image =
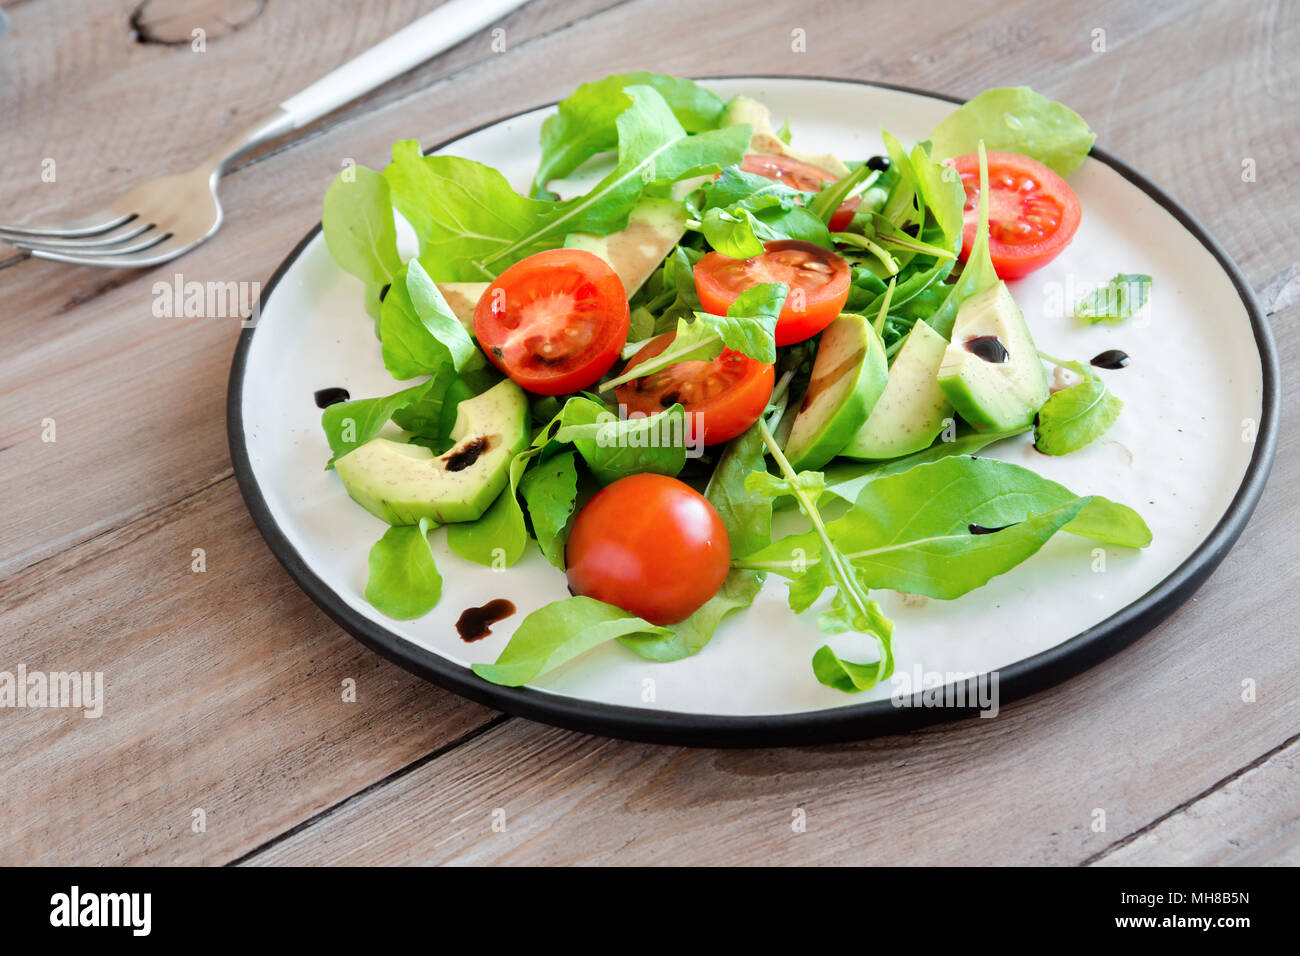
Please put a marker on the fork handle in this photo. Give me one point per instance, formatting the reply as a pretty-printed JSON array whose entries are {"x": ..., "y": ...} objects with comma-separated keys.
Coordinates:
[{"x": 412, "y": 45}]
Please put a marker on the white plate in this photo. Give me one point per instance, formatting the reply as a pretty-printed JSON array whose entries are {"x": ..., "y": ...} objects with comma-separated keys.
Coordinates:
[{"x": 1190, "y": 452}]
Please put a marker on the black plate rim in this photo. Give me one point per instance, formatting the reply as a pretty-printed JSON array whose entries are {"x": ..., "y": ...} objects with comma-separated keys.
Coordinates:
[{"x": 850, "y": 722}]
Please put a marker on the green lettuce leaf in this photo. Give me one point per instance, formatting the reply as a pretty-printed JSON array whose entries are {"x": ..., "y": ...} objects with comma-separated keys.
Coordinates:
[
  {"x": 420, "y": 335},
  {"x": 404, "y": 582},
  {"x": 1115, "y": 302},
  {"x": 1015, "y": 119},
  {"x": 1076, "y": 416},
  {"x": 557, "y": 633},
  {"x": 585, "y": 123},
  {"x": 945, "y": 528},
  {"x": 550, "y": 491},
  {"x": 357, "y": 220}
]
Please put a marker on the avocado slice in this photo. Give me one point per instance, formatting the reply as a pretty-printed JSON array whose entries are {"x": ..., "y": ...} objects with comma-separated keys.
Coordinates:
[
  {"x": 653, "y": 227},
  {"x": 911, "y": 411},
  {"x": 402, "y": 483},
  {"x": 763, "y": 140},
  {"x": 462, "y": 297},
  {"x": 848, "y": 377},
  {"x": 991, "y": 371}
]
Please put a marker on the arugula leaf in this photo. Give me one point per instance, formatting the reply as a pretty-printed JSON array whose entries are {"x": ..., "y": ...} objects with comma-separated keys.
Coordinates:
[
  {"x": 550, "y": 491},
  {"x": 1016, "y": 119},
  {"x": 845, "y": 479},
  {"x": 653, "y": 148},
  {"x": 746, "y": 514},
  {"x": 614, "y": 448},
  {"x": 832, "y": 195},
  {"x": 558, "y": 632},
  {"x": 851, "y": 609},
  {"x": 585, "y": 123},
  {"x": 978, "y": 273},
  {"x": 742, "y": 211},
  {"x": 914, "y": 532},
  {"x": 1075, "y": 416},
  {"x": 1115, "y": 302},
  {"x": 420, "y": 335},
  {"x": 472, "y": 225},
  {"x": 843, "y": 675},
  {"x": 357, "y": 220},
  {"x": 942, "y": 192},
  {"x": 749, "y": 327},
  {"x": 669, "y": 294},
  {"x": 690, "y": 636},
  {"x": 404, "y": 582},
  {"x": 349, "y": 425}
]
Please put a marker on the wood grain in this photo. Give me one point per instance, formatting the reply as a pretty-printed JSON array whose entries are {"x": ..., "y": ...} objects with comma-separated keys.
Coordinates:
[
  {"x": 1251, "y": 820},
  {"x": 223, "y": 692},
  {"x": 223, "y": 686}
]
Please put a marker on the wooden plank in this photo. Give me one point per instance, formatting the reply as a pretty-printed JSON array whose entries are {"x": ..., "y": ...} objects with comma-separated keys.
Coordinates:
[
  {"x": 1251, "y": 820},
  {"x": 223, "y": 692},
  {"x": 69, "y": 65}
]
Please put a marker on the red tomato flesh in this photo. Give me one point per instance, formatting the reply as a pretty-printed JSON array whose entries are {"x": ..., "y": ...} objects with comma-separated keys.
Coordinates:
[
  {"x": 554, "y": 322},
  {"x": 651, "y": 545},
  {"x": 1033, "y": 213},
  {"x": 721, "y": 398},
  {"x": 818, "y": 281},
  {"x": 804, "y": 177}
]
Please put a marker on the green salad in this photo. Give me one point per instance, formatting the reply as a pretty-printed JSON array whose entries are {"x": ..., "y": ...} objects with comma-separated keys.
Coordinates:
[{"x": 685, "y": 324}]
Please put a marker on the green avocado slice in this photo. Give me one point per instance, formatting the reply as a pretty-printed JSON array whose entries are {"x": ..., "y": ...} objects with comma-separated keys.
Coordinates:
[
  {"x": 848, "y": 377},
  {"x": 402, "y": 483},
  {"x": 991, "y": 371},
  {"x": 912, "y": 410},
  {"x": 765, "y": 142}
]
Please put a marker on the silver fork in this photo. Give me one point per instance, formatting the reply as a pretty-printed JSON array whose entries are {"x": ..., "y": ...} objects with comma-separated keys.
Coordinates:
[{"x": 166, "y": 217}]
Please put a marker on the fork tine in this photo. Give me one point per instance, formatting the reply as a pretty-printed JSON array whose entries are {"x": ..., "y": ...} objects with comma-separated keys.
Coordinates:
[
  {"x": 107, "y": 241},
  {"x": 155, "y": 255},
  {"x": 92, "y": 225},
  {"x": 143, "y": 239}
]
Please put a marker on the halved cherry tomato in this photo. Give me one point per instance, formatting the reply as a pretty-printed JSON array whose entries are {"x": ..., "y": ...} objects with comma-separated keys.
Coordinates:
[
  {"x": 651, "y": 545},
  {"x": 1033, "y": 213},
  {"x": 554, "y": 322},
  {"x": 818, "y": 281},
  {"x": 722, "y": 398},
  {"x": 802, "y": 176}
]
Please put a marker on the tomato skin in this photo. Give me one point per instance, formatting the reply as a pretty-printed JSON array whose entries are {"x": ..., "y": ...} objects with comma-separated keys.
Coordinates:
[
  {"x": 651, "y": 545},
  {"x": 802, "y": 176},
  {"x": 1033, "y": 212},
  {"x": 554, "y": 322},
  {"x": 715, "y": 415},
  {"x": 818, "y": 281}
]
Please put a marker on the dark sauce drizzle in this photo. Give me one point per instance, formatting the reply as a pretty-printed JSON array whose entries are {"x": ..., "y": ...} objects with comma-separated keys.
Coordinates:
[
  {"x": 326, "y": 397},
  {"x": 980, "y": 529},
  {"x": 467, "y": 455},
  {"x": 1111, "y": 358},
  {"x": 475, "y": 623},
  {"x": 987, "y": 347}
]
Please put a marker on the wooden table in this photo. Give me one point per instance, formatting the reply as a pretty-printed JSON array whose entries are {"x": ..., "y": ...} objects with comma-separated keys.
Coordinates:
[{"x": 225, "y": 735}]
